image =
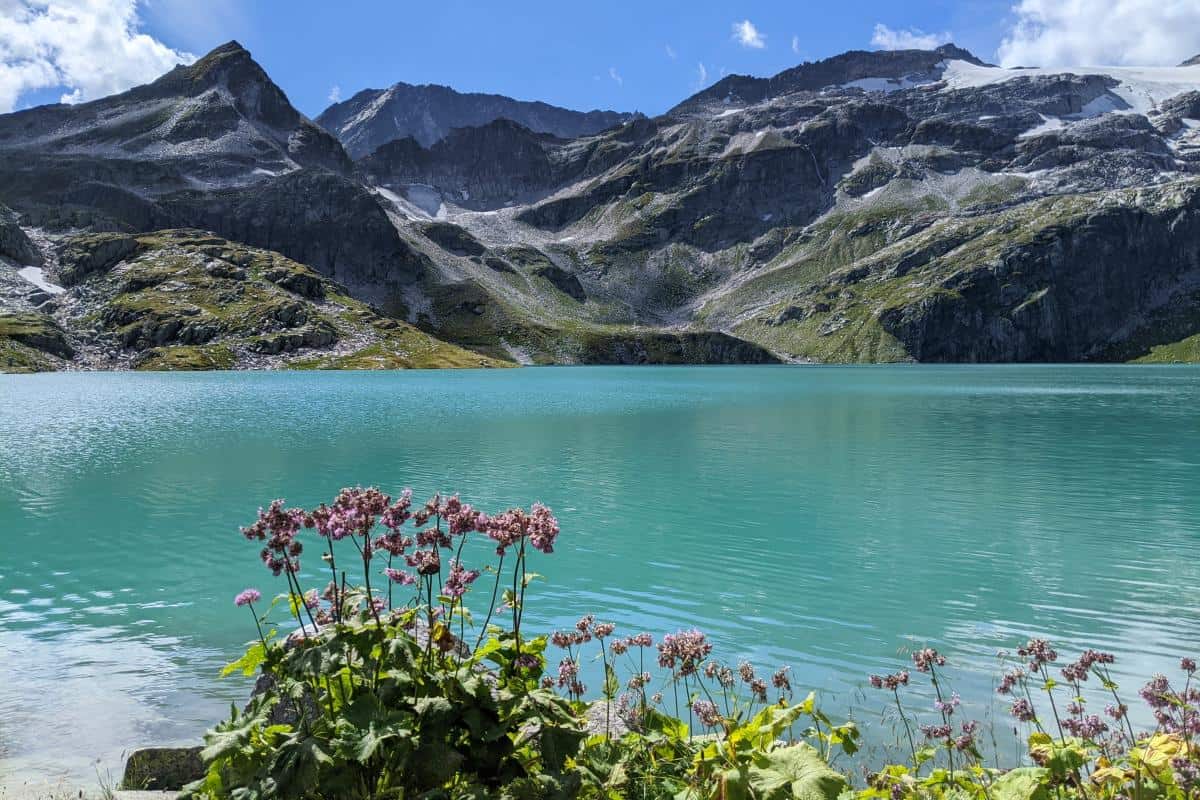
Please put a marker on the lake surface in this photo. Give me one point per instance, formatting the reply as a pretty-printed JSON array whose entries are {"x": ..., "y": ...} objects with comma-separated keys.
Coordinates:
[{"x": 826, "y": 518}]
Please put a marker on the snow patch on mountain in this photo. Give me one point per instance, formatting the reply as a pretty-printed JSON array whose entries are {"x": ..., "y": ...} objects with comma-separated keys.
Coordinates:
[
  {"x": 887, "y": 85},
  {"x": 1141, "y": 88},
  {"x": 1049, "y": 125},
  {"x": 37, "y": 276}
]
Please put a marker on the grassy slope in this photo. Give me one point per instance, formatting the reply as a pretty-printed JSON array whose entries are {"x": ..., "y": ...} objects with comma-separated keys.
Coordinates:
[{"x": 841, "y": 273}]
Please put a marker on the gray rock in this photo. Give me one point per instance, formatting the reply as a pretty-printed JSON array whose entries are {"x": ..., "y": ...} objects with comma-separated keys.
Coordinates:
[
  {"x": 162, "y": 768},
  {"x": 14, "y": 243}
]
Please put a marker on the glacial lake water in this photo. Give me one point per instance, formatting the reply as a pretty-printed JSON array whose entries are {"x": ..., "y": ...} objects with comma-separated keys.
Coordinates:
[{"x": 827, "y": 518}]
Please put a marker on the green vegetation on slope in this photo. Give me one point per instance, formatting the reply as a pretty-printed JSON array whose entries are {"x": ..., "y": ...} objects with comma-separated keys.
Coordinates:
[{"x": 190, "y": 300}]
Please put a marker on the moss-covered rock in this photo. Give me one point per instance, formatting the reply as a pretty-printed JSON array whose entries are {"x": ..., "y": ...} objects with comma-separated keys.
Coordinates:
[
  {"x": 94, "y": 252},
  {"x": 36, "y": 331},
  {"x": 162, "y": 768},
  {"x": 186, "y": 359}
]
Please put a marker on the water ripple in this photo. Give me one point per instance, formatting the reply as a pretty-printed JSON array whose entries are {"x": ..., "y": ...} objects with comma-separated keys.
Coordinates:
[{"x": 830, "y": 518}]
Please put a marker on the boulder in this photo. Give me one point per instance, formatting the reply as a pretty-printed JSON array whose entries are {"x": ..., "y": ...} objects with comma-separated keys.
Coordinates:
[
  {"x": 92, "y": 253},
  {"x": 14, "y": 244},
  {"x": 162, "y": 768}
]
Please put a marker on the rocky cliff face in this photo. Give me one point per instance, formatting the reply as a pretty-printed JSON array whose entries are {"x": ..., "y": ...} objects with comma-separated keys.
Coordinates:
[
  {"x": 215, "y": 145},
  {"x": 427, "y": 114},
  {"x": 870, "y": 207},
  {"x": 497, "y": 164}
]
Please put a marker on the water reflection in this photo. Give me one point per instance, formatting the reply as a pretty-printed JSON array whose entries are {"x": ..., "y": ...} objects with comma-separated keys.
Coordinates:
[{"x": 826, "y": 518}]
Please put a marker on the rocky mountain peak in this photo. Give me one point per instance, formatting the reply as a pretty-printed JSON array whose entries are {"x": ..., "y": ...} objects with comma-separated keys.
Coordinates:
[
  {"x": 231, "y": 68},
  {"x": 953, "y": 52},
  {"x": 839, "y": 70},
  {"x": 1194, "y": 61},
  {"x": 428, "y": 113}
]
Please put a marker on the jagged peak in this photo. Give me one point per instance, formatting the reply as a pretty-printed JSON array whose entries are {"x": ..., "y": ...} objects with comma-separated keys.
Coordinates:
[
  {"x": 228, "y": 59},
  {"x": 955, "y": 53},
  {"x": 233, "y": 46},
  {"x": 1194, "y": 61}
]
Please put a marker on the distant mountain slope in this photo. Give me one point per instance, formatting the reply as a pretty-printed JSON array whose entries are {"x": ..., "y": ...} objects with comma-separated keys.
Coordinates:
[
  {"x": 855, "y": 65},
  {"x": 214, "y": 145},
  {"x": 874, "y": 206},
  {"x": 428, "y": 113},
  {"x": 219, "y": 121}
]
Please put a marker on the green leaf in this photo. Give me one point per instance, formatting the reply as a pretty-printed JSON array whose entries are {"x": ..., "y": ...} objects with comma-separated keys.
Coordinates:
[
  {"x": 612, "y": 684},
  {"x": 925, "y": 754},
  {"x": 297, "y": 764},
  {"x": 795, "y": 771},
  {"x": 847, "y": 736},
  {"x": 1023, "y": 783},
  {"x": 249, "y": 663}
]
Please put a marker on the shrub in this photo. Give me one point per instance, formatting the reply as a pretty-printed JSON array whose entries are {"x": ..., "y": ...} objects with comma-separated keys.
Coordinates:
[{"x": 395, "y": 693}]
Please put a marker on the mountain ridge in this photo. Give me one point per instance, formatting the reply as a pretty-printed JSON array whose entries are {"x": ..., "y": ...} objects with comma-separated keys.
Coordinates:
[
  {"x": 874, "y": 206},
  {"x": 428, "y": 112}
]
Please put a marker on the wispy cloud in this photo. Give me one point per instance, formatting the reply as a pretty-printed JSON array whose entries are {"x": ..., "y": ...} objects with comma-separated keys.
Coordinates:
[
  {"x": 701, "y": 75},
  {"x": 1050, "y": 33},
  {"x": 335, "y": 94},
  {"x": 616, "y": 76},
  {"x": 886, "y": 38},
  {"x": 90, "y": 48},
  {"x": 796, "y": 45},
  {"x": 745, "y": 34},
  {"x": 671, "y": 54}
]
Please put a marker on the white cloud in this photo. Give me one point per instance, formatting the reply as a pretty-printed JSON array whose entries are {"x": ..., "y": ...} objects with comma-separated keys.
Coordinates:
[
  {"x": 671, "y": 54},
  {"x": 616, "y": 76},
  {"x": 796, "y": 45},
  {"x": 335, "y": 94},
  {"x": 1049, "y": 33},
  {"x": 886, "y": 38},
  {"x": 91, "y": 48},
  {"x": 701, "y": 75},
  {"x": 745, "y": 34}
]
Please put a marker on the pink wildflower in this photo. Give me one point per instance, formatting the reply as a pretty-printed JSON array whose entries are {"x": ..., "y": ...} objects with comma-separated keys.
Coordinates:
[{"x": 247, "y": 596}]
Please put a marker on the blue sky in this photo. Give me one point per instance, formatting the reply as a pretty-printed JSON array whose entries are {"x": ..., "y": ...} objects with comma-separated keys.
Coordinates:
[
  {"x": 579, "y": 55},
  {"x": 643, "y": 56}
]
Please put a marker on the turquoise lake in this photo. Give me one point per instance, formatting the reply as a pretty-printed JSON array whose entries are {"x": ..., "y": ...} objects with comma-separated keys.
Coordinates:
[{"x": 827, "y": 518}]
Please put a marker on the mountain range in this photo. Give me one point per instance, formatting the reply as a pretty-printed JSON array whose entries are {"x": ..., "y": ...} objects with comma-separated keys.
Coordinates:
[{"x": 874, "y": 206}]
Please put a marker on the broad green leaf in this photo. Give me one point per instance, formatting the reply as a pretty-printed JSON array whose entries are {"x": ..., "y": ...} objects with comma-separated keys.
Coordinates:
[
  {"x": 249, "y": 663},
  {"x": 795, "y": 771},
  {"x": 1024, "y": 783}
]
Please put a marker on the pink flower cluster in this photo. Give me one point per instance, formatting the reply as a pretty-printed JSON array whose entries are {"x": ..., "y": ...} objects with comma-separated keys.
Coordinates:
[
  {"x": 1078, "y": 671},
  {"x": 277, "y": 527},
  {"x": 459, "y": 580},
  {"x": 892, "y": 682},
  {"x": 355, "y": 513},
  {"x": 1039, "y": 652},
  {"x": 927, "y": 658},
  {"x": 247, "y": 596},
  {"x": 509, "y": 528},
  {"x": 1010, "y": 680},
  {"x": 685, "y": 650},
  {"x": 706, "y": 711},
  {"x": 621, "y": 646}
]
